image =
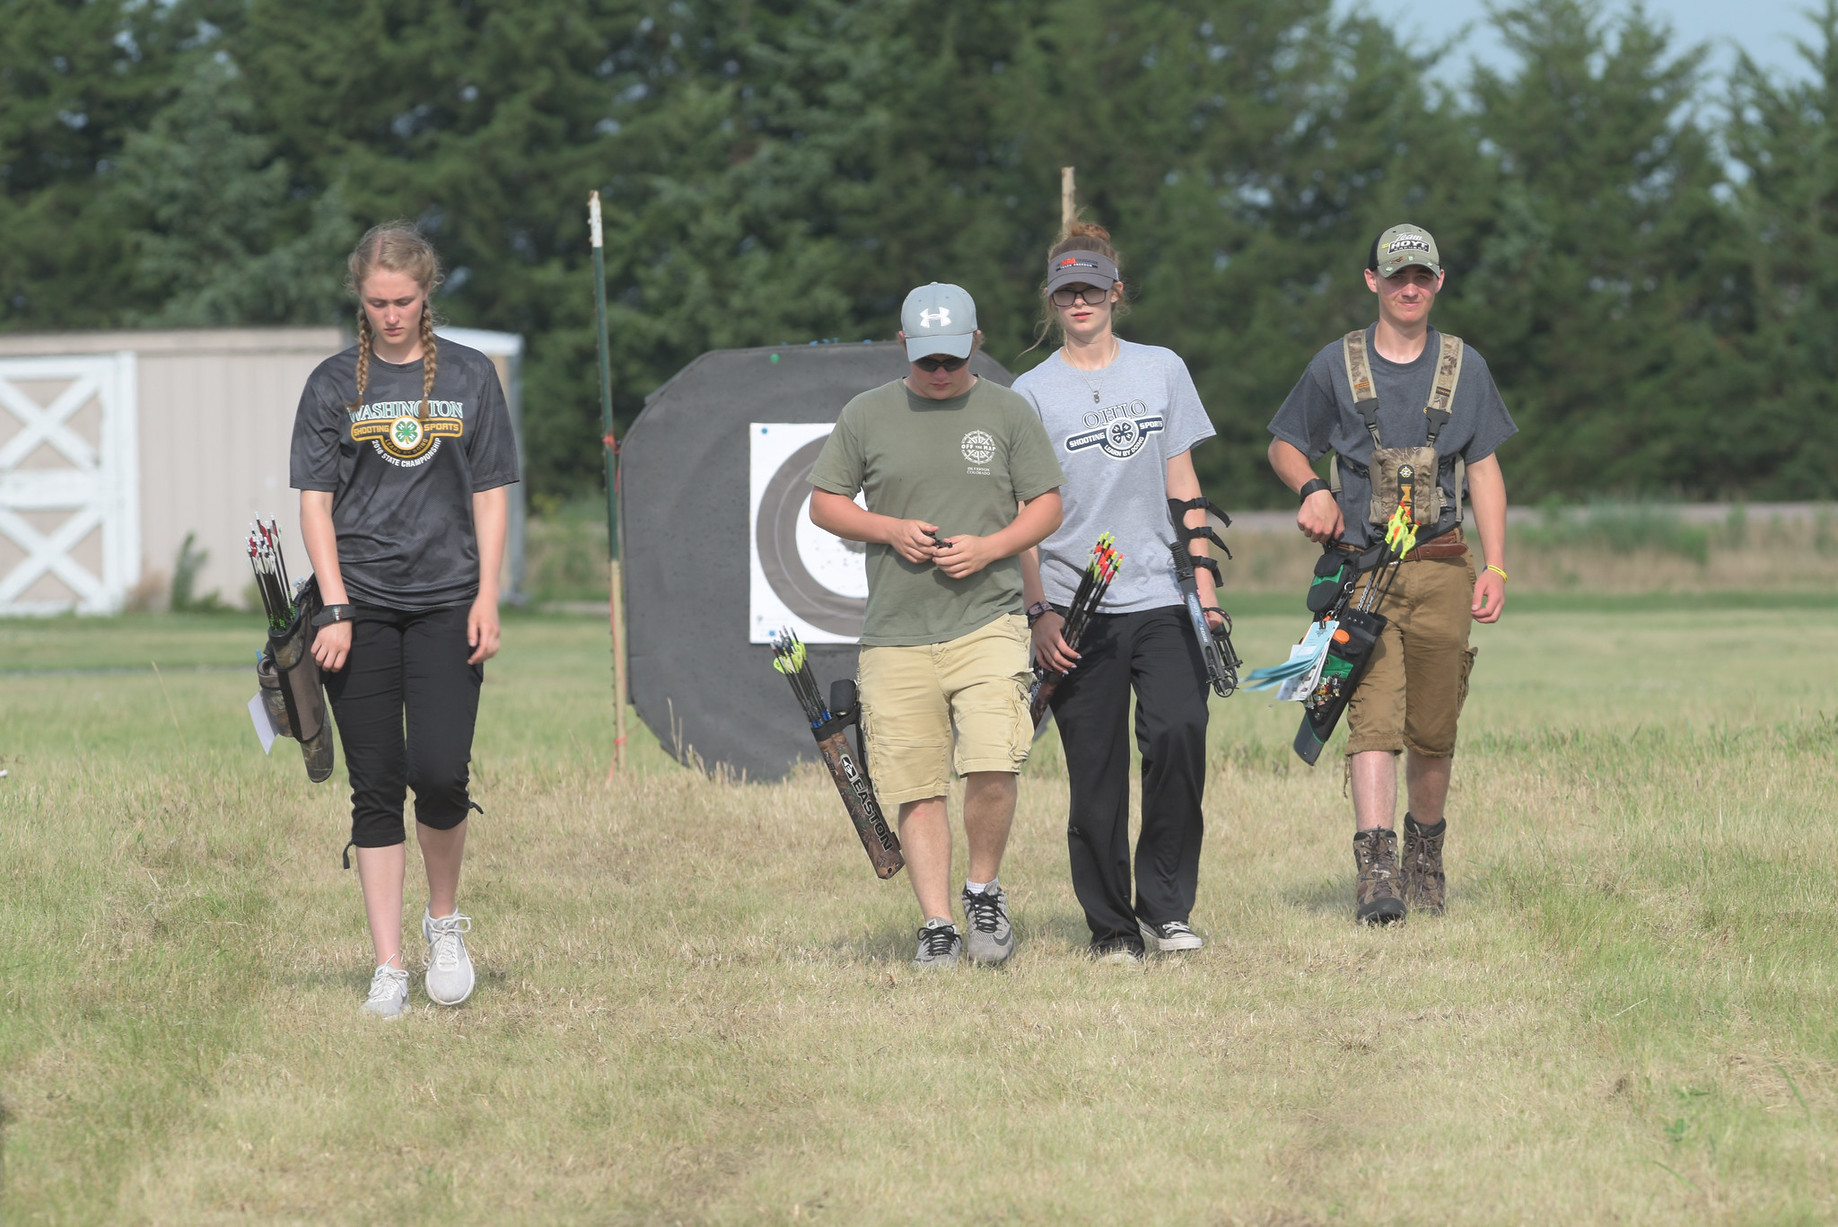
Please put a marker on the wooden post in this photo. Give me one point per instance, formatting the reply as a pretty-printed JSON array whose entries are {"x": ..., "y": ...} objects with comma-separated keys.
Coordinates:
[
  {"x": 1068, "y": 200},
  {"x": 615, "y": 605}
]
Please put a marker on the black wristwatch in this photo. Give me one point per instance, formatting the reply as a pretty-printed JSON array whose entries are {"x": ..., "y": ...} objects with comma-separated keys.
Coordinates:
[
  {"x": 1311, "y": 487},
  {"x": 1037, "y": 611},
  {"x": 331, "y": 614}
]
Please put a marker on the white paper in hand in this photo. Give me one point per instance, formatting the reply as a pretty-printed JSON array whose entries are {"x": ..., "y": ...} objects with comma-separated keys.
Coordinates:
[{"x": 264, "y": 727}]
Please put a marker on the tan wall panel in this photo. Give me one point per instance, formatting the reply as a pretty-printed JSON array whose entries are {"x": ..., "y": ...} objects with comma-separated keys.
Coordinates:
[{"x": 216, "y": 412}]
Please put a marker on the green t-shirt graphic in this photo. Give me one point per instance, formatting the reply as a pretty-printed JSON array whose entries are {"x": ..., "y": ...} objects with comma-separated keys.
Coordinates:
[{"x": 962, "y": 464}]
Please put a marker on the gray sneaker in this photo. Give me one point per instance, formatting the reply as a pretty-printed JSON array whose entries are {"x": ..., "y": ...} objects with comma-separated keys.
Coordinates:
[
  {"x": 388, "y": 993},
  {"x": 939, "y": 945},
  {"x": 1169, "y": 938},
  {"x": 992, "y": 938},
  {"x": 450, "y": 977}
]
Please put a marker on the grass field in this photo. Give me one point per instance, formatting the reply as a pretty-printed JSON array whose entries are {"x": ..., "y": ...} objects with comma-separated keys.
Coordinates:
[{"x": 695, "y": 1004}]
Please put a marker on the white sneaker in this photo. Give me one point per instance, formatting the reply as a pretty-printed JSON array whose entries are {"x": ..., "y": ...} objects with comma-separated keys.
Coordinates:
[
  {"x": 1169, "y": 938},
  {"x": 388, "y": 993},
  {"x": 450, "y": 978}
]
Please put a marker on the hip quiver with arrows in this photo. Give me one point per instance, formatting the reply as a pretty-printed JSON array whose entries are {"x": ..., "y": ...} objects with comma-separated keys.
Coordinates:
[{"x": 291, "y": 689}]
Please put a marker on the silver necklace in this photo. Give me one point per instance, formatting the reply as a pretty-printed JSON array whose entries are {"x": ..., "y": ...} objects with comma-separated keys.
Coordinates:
[{"x": 1097, "y": 395}]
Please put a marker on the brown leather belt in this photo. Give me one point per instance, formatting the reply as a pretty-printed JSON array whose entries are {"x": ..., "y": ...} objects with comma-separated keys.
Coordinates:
[{"x": 1449, "y": 545}]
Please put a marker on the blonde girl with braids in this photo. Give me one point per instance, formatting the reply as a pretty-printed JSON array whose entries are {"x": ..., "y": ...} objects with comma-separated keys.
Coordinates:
[
  {"x": 1123, "y": 419},
  {"x": 402, "y": 453}
]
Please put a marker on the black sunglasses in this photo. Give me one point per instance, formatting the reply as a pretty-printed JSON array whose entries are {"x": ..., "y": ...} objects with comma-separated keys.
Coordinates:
[
  {"x": 928, "y": 365},
  {"x": 1094, "y": 296}
]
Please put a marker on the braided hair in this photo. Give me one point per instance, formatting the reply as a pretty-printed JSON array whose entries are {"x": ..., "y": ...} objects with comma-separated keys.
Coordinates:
[{"x": 400, "y": 248}]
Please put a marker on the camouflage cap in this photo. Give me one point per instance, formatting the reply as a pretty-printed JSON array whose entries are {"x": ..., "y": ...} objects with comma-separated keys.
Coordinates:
[{"x": 1402, "y": 246}]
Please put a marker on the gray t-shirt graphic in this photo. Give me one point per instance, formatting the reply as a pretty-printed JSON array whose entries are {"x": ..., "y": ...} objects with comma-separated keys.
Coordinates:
[
  {"x": 402, "y": 488},
  {"x": 1318, "y": 416},
  {"x": 1114, "y": 431}
]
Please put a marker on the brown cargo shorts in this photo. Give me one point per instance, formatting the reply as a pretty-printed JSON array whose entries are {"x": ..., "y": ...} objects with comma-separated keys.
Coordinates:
[
  {"x": 1413, "y": 692},
  {"x": 913, "y": 698}
]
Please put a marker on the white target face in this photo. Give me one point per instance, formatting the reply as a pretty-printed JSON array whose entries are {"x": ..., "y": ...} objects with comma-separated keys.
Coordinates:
[{"x": 800, "y": 576}]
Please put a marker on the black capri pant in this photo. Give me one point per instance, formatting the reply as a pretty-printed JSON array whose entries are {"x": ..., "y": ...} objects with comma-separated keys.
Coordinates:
[{"x": 406, "y": 703}]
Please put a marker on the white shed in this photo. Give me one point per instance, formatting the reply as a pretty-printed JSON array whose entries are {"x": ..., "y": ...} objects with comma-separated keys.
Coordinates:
[{"x": 115, "y": 445}]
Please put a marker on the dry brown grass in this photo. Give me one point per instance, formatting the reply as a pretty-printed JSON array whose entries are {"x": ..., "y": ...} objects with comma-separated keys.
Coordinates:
[{"x": 695, "y": 1004}]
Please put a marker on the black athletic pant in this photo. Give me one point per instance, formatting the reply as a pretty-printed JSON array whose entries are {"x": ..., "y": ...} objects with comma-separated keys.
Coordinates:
[
  {"x": 413, "y": 665},
  {"x": 1154, "y": 653}
]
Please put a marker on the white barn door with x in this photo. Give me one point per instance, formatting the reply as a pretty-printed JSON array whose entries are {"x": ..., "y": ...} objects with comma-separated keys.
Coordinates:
[{"x": 69, "y": 484}]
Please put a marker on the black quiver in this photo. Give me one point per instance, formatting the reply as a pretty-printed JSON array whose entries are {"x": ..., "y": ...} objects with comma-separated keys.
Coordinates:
[
  {"x": 291, "y": 689},
  {"x": 1349, "y": 652},
  {"x": 1216, "y": 649}
]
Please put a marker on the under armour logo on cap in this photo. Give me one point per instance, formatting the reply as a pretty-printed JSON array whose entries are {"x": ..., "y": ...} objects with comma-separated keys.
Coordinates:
[{"x": 939, "y": 318}]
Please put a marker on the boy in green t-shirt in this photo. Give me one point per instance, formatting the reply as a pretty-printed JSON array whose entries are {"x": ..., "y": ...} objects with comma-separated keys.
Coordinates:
[{"x": 944, "y": 459}]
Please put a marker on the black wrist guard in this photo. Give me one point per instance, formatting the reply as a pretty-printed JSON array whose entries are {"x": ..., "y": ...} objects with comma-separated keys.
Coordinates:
[
  {"x": 331, "y": 614},
  {"x": 1310, "y": 488}
]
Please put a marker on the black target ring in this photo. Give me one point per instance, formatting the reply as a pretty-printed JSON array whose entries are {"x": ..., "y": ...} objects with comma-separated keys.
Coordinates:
[{"x": 776, "y": 535}]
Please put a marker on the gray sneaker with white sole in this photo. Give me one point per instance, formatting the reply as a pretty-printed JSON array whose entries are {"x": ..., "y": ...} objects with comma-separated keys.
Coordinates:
[
  {"x": 1169, "y": 938},
  {"x": 991, "y": 938},
  {"x": 939, "y": 945}
]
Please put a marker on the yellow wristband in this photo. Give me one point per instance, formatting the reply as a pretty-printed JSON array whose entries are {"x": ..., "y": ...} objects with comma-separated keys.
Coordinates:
[{"x": 1497, "y": 572}]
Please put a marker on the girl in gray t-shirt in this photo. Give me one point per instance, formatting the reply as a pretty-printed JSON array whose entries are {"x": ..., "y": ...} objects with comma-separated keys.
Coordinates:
[{"x": 1122, "y": 419}]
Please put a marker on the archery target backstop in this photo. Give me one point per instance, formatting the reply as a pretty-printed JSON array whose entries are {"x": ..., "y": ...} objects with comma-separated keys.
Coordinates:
[{"x": 720, "y": 550}]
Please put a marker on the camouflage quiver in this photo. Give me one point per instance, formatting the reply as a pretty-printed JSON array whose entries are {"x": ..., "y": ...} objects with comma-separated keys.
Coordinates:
[{"x": 291, "y": 689}]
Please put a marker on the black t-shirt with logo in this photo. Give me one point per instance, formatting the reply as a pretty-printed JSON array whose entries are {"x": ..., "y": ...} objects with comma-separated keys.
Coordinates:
[{"x": 402, "y": 487}]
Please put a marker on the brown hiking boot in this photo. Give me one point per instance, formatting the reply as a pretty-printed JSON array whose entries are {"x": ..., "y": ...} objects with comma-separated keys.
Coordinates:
[
  {"x": 1423, "y": 880},
  {"x": 1375, "y": 852}
]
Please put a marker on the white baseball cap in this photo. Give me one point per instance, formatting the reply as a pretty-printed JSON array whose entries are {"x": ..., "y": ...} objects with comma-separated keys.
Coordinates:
[{"x": 939, "y": 318}]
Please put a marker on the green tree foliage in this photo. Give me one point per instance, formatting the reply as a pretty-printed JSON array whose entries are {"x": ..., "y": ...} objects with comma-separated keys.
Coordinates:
[
  {"x": 1781, "y": 134},
  {"x": 1603, "y": 256},
  {"x": 783, "y": 170},
  {"x": 222, "y": 237}
]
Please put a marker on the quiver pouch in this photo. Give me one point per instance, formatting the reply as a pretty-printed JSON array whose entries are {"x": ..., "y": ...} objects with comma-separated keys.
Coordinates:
[
  {"x": 1405, "y": 471},
  {"x": 1349, "y": 653},
  {"x": 288, "y": 671}
]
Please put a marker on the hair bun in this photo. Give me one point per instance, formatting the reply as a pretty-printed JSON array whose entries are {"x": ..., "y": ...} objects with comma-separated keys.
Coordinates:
[{"x": 1088, "y": 230}]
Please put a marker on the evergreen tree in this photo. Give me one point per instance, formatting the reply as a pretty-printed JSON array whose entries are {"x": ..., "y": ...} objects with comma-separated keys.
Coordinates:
[
  {"x": 1781, "y": 134},
  {"x": 222, "y": 237},
  {"x": 1596, "y": 297}
]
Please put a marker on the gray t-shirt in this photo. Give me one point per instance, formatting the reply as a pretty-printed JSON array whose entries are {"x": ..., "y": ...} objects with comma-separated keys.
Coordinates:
[
  {"x": 402, "y": 488},
  {"x": 1114, "y": 431},
  {"x": 962, "y": 464},
  {"x": 1318, "y": 416}
]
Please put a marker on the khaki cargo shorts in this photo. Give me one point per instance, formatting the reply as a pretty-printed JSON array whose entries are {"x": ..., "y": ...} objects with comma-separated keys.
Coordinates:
[
  {"x": 1412, "y": 695},
  {"x": 913, "y": 697}
]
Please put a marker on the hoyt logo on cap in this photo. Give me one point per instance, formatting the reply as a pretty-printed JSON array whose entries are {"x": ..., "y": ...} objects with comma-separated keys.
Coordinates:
[
  {"x": 939, "y": 318},
  {"x": 1402, "y": 246}
]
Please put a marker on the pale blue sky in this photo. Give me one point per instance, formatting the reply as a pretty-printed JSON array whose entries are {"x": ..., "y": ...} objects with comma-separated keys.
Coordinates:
[{"x": 1765, "y": 29}]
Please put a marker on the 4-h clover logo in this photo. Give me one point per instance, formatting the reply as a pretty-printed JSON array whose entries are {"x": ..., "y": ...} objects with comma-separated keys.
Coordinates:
[{"x": 405, "y": 433}]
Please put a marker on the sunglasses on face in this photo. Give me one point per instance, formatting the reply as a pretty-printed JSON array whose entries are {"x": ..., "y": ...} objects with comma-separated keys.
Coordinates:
[
  {"x": 928, "y": 365},
  {"x": 1065, "y": 296}
]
